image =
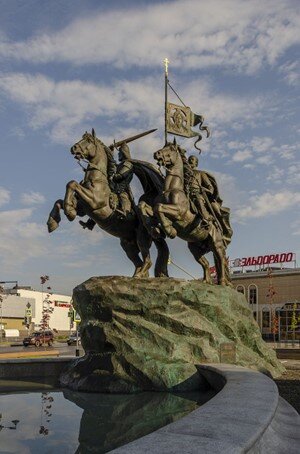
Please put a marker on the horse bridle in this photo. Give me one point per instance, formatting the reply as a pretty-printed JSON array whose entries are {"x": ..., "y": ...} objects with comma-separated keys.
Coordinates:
[{"x": 84, "y": 159}]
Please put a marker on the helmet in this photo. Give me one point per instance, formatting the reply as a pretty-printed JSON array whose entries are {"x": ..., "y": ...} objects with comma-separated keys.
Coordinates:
[{"x": 124, "y": 149}]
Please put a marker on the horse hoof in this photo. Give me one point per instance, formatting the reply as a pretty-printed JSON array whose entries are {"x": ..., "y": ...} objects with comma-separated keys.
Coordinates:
[
  {"x": 172, "y": 233},
  {"x": 71, "y": 215},
  {"x": 162, "y": 274},
  {"x": 137, "y": 272},
  {"x": 207, "y": 281},
  {"x": 52, "y": 225},
  {"x": 141, "y": 274}
]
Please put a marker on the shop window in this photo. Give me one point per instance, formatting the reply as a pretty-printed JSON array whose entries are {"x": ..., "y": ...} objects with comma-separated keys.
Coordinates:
[
  {"x": 252, "y": 294},
  {"x": 240, "y": 289}
]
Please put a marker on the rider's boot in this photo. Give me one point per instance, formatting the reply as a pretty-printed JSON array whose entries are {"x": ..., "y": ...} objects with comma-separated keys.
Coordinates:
[{"x": 89, "y": 224}]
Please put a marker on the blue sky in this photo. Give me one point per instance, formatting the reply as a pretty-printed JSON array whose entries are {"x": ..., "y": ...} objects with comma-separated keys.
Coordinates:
[{"x": 68, "y": 66}]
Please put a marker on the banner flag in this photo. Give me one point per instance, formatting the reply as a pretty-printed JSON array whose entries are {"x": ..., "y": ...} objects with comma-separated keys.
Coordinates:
[{"x": 180, "y": 120}]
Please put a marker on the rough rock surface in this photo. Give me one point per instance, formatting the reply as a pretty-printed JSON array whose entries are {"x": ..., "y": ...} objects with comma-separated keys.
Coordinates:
[{"x": 148, "y": 334}]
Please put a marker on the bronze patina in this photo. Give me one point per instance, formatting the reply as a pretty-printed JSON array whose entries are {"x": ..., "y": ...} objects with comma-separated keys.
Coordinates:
[
  {"x": 185, "y": 203},
  {"x": 190, "y": 207},
  {"x": 104, "y": 196}
]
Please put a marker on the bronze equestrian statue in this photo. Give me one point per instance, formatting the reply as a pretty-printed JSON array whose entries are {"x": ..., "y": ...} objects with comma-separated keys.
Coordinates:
[
  {"x": 104, "y": 196},
  {"x": 196, "y": 217},
  {"x": 184, "y": 203}
]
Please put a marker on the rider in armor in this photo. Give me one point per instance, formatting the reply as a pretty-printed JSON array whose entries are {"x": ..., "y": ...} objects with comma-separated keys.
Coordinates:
[
  {"x": 120, "y": 182},
  {"x": 201, "y": 189},
  {"x": 122, "y": 179},
  {"x": 204, "y": 194}
]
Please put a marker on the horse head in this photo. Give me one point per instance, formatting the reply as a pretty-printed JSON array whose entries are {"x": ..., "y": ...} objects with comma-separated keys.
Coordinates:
[
  {"x": 86, "y": 147},
  {"x": 168, "y": 155}
]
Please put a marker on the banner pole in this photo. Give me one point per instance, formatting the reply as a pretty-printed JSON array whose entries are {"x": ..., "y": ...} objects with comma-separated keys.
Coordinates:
[{"x": 166, "y": 62}]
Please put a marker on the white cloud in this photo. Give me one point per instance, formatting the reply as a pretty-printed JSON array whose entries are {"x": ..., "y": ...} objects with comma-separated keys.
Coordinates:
[
  {"x": 276, "y": 174},
  {"x": 32, "y": 198},
  {"x": 264, "y": 150},
  {"x": 291, "y": 72},
  {"x": 241, "y": 156},
  {"x": 14, "y": 217},
  {"x": 235, "y": 145},
  {"x": 293, "y": 174},
  {"x": 194, "y": 34},
  {"x": 222, "y": 109},
  {"x": 288, "y": 151},
  {"x": 267, "y": 159},
  {"x": 261, "y": 144},
  {"x": 229, "y": 192},
  {"x": 4, "y": 196},
  {"x": 21, "y": 238},
  {"x": 66, "y": 105},
  {"x": 268, "y": 204}
]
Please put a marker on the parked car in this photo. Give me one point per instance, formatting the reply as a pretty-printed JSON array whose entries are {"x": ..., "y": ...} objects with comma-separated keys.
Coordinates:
[
  {"x": 39, "y": 338},
  {"x": 72, "y": 339}
]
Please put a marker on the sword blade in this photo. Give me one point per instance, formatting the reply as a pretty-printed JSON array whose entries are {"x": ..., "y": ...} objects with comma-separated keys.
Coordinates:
[{"x": 131, "y": 139}]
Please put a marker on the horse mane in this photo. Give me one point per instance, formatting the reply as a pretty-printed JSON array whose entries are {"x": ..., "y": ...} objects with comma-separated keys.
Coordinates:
[
  {"x": 111, "y": 163},
  {"x": 187, "y": 170}
]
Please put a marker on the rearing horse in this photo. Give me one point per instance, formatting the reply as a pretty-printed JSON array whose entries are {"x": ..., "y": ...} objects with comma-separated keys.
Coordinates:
[
  {"x": 175, "y": 218},
  {"x": 94, "y": 197}
]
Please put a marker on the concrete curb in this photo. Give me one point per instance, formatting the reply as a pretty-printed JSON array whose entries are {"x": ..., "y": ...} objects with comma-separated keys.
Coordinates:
[
  {"x": 34, "y": 367},
  {"x": 246, "y": 416},
  {"x": 29, "y": 354}
]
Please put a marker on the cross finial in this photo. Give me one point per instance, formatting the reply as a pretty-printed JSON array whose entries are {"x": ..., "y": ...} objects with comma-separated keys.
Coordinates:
[{"x": 166, "y": 62}]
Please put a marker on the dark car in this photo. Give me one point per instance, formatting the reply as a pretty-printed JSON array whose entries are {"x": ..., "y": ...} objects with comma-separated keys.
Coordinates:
[
  {"x": 72, "y": 339},
  {"x": 39, "y": 338}
]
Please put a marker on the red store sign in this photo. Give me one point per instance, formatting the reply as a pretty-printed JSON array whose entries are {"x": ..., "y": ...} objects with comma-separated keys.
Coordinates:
[
  {"x": 284, "y": 257},
  {"x": 62, "y": 304}
]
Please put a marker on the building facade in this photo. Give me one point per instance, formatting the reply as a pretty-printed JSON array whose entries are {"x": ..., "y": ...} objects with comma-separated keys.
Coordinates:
[
  {"x": 273, "y": 294},
  {"x": 21, "y": 302}
]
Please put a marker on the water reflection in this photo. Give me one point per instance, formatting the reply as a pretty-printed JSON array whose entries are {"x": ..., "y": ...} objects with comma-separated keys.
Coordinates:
[
  {"x": 109, "y": 421},
  {"x": 71, "y": 422},
  {"x": 45, "y": 412},
  {"x": 14, "y": 423}
]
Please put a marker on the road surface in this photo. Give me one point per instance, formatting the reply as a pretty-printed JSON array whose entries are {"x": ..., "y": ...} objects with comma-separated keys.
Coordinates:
[{"x": 63, "y": 348}]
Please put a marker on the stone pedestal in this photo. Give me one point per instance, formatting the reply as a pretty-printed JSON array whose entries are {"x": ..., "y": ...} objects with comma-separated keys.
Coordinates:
[{"x": 148, "y": 334}]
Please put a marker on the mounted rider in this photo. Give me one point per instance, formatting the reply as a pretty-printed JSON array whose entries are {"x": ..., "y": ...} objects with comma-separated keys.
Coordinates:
[
  {"x": 204, "y": 194},
  {"x": 120, "y": 183},
  {"x": 200, "y": 185},
  {"x": 122, "y": 178}
]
